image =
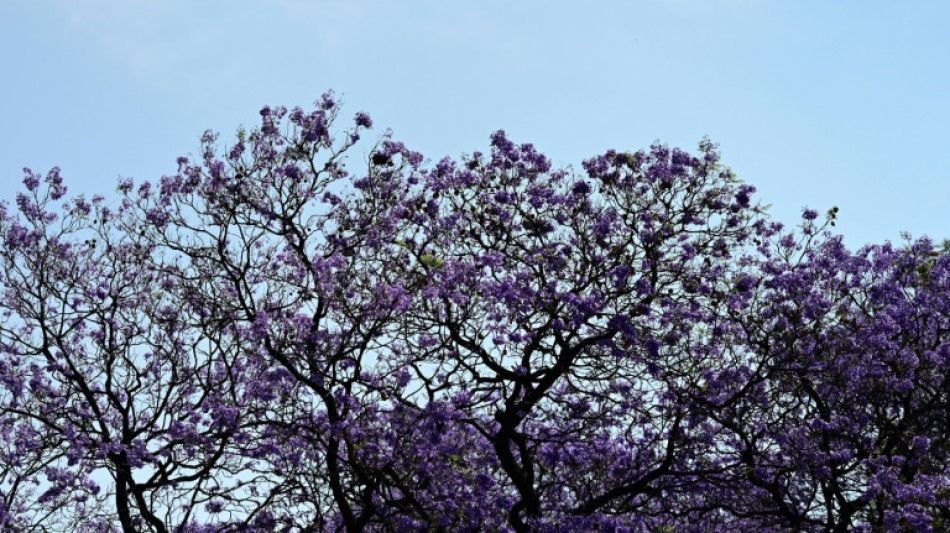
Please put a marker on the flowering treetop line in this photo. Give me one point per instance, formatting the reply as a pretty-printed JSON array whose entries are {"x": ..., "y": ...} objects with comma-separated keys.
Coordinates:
[{"x": 271, "y": 340}]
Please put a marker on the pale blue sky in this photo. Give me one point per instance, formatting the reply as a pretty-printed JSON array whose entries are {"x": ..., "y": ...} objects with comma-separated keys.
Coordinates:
[{"x": 817, "y": 103}]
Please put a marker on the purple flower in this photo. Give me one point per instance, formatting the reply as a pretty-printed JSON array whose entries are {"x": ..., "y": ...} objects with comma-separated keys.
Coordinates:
[
  {"x": 32, "y": 181},
  {"x": 581, "y": 188},
  {"x": 327, "y": 101},
  {"x": 364, "y": 120},
  {"x": 653, "y": 348},
  {"x": 743, "y": 195}
]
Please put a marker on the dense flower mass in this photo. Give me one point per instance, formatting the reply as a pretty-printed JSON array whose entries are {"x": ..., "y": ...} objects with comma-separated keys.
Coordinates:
[{"x": 276, "y": 338}]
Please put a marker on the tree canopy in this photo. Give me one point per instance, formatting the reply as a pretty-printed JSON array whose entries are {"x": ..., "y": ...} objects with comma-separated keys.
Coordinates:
[{"x": 282, "y": 336}]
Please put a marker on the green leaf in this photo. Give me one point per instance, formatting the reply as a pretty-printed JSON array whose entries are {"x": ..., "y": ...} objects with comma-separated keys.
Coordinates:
[{"x": 432, "y": 261}]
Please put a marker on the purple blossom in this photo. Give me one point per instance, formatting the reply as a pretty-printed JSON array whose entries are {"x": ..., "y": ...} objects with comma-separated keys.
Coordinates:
[
  {"x": 32, "y": 181},
  {"x": 363, "y": 120},
  {"x": 581, "y": 188}
]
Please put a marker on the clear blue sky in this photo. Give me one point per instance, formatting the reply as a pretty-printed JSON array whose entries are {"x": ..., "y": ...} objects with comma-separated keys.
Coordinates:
[{"x": 817, "y": 103}]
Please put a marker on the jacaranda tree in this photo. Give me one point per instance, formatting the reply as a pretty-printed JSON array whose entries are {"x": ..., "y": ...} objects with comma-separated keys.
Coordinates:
[{"x": 288, "y": 335}]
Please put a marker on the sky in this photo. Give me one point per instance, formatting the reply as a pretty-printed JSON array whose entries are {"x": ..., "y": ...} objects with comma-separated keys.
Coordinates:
[{"x": 816, "y": 103}]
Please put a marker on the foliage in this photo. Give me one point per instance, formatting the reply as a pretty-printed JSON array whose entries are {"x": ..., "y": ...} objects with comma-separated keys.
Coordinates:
[{"x": 264, "y": 342}]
